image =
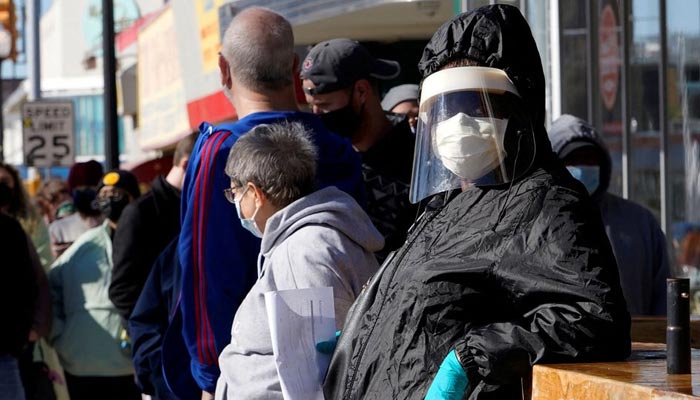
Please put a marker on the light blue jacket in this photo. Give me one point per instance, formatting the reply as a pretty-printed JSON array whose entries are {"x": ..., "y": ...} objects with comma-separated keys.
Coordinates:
[{"x": 86, "y": 326}]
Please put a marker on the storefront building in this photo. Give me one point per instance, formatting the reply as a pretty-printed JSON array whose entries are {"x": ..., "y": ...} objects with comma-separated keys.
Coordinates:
[
  {"x": 636, "y": 78},
  {"x": 598, "y": 66}
]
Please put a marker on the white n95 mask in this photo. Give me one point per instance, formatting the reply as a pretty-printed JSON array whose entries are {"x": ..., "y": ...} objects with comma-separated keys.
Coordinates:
[{"x": 470, "y": 147}]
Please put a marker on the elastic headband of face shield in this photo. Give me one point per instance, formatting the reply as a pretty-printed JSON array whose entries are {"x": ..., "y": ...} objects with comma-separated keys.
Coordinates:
[{"x": 470, "y": 131}]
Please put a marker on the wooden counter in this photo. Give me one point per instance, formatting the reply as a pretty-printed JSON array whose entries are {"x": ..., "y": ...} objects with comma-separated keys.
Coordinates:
[
  {"x": 653, "y": 330},
  {"x": 642, "y": 377}
]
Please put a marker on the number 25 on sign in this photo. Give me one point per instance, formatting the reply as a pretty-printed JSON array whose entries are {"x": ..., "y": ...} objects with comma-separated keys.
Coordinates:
[{"x": 47, "y": 128}]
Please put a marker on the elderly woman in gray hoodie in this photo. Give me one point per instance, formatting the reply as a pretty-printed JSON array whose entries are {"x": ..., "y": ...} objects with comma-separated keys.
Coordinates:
[{"x": 309, "y": 239}]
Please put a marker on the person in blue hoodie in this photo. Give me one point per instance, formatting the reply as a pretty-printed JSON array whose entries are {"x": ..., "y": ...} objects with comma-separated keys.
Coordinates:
[
  {"x": 635, "y": 235},
  {"x": 257, "y": 64}
]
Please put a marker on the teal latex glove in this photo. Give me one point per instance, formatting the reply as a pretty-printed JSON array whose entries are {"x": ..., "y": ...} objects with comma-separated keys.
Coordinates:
[
  {"x": 450, "y": 382},
  {"x": 328, "y": 346}
]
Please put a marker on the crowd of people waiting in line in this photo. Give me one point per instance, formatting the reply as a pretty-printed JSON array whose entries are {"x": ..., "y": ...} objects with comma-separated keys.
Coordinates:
[{"x": 463, "y": 242}]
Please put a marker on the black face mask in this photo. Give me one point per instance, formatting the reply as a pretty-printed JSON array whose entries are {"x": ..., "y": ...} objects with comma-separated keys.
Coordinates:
[
  {"x": 343, "y": 121},
  {"x": 112, "y": 207},
  {"x": 84, "y": 199},
  {"x": 5, "y": 195}
]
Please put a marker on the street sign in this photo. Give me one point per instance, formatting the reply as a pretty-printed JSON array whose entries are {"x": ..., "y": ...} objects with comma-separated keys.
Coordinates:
[
  {"x": 609, "y": 59},
  {"x": 47, "y": 127}
]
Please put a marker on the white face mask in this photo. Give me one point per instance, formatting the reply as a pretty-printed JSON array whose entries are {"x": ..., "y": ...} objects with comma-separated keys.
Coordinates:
[{"x": 470, "y": 147}]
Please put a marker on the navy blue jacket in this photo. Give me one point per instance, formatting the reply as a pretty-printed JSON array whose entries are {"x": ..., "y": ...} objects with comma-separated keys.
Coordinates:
[
  {"x": 218, "y": 256},
  {"x": 149, "y": 323}
]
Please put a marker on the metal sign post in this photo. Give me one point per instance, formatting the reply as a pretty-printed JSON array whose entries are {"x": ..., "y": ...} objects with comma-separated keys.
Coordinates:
[{"x": 47, "y": 128}]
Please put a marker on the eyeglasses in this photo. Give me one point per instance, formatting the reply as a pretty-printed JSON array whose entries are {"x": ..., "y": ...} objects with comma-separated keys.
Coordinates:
[{"x": 230, "y": 195}]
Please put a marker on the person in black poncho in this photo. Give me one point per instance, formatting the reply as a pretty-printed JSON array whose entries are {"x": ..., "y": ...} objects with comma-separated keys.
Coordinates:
[{"x": 512, "y": 268}]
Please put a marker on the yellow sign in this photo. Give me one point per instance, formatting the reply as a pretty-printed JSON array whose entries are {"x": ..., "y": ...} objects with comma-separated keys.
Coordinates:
[
  {"x": 208, "y": 19},
  {"x": 162, "y": 104}
]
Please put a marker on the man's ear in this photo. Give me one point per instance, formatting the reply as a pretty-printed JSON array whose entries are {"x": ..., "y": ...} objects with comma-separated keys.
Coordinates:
[
  {"x": 183, "y": 163},
  {"x": 225, "y": 72},
  {"x": 260, "y": 198},
  {"x": 361, "y": 92},
  {"x": 295, "y": 68}
]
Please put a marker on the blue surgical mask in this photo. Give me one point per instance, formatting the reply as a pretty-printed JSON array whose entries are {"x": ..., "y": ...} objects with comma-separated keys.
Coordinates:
[
  {"x": 249, "y": 224},
  {"x": 589, "y": 175}
]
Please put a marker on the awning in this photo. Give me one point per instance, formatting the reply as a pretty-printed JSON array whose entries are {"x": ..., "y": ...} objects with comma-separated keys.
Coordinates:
[{"x": 375, "y": 20}]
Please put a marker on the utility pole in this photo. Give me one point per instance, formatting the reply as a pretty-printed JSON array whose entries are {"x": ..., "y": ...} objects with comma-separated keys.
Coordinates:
[
  {"x": 109, "y": 68},
  {"x": 33, "y": 51},
  {"x": 2, "y": 119},
  {"x": 8, "y": 38}
]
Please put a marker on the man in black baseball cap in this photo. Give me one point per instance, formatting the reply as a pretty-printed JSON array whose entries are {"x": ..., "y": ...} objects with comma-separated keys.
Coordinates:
[
  {"x": 340, "y": 83},
  {"x": 339, "y": 63}
]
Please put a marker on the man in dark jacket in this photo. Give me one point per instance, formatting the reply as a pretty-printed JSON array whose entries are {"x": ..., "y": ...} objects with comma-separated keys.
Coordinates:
[
  {"x": 515, "y": 269},
  {"x": 339, "y": 80},
  {"x": 637, "y": 240},
  {"x": 145, "y": 229}
]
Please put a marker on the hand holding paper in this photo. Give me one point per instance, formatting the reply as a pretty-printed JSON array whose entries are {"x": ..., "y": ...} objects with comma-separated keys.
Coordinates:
[{"x": 299, "y": 319}]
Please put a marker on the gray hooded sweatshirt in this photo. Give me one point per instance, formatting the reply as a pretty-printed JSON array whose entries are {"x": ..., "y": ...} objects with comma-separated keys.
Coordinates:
[
  {"x": 323, "y": 239},
  {"x": 635, "y": 235}
]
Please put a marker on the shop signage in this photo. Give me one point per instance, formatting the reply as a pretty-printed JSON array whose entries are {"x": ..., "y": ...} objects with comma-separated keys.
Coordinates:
[
  {"x": 162, "y": 105},
  {"x": 47, "y": 128},
  {"x": 609, "y": 57},
  {"x": 208, "y": 20}
]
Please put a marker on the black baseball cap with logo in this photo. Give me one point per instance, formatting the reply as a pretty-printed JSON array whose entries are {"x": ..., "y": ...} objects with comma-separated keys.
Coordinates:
[{"x": 338, "y": 63}]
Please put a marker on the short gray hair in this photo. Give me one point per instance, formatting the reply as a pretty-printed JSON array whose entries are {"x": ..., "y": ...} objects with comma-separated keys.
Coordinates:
[
  {"x": 280, "y": 159},
  {"x": 259, "y": 47}
]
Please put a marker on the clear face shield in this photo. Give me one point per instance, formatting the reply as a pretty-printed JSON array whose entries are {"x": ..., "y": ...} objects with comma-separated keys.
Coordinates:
[{"x": 461, "y": 138}]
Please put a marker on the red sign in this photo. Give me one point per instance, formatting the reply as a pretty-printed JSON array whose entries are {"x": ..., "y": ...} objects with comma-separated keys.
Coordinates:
[{"x": 609, "y": 56}]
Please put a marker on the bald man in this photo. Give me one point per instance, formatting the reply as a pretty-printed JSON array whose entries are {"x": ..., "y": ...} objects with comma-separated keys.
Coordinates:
[{"x": 257, "y": 64}]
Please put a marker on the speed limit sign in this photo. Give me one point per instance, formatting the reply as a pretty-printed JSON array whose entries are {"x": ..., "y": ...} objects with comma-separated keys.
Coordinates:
[{"x": 47, "y": 128}]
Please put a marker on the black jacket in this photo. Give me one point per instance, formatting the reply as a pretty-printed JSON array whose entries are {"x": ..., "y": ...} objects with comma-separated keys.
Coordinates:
[
  {"x": 18, "y": 287},
  {"x": 386, "y": 169},
  {"x": 508, "y": 276},
  {"x": 145, "y": 228},
  {"x": 537, "y": 284}
]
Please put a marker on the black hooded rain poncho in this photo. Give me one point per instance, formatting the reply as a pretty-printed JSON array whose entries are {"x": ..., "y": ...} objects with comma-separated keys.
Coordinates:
[{"x": 508, "y": 276}]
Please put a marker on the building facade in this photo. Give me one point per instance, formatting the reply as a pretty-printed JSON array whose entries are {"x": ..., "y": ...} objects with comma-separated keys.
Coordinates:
[{"x": 631, "y": 67}]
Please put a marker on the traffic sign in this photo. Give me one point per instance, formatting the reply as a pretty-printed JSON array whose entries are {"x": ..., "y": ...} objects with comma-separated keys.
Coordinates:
[
  {"x": 47, "y": 128},
  {"x": 609, "y": 59}
]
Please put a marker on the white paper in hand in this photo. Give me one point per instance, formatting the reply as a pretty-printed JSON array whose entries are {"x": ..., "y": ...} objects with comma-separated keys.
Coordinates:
[{"x": 298, "y": 319}]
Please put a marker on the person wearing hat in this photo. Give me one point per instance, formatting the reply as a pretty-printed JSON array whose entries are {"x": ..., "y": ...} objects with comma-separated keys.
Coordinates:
[
  {"x": 403, "y": 99},
  {"x": 340, "y": 84},
  {"x": 82, "y": 182},
  {"x": 86, "y": 330},
  {"x": 637, "y": 240},
  {"x": 514, "y": 268}
]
